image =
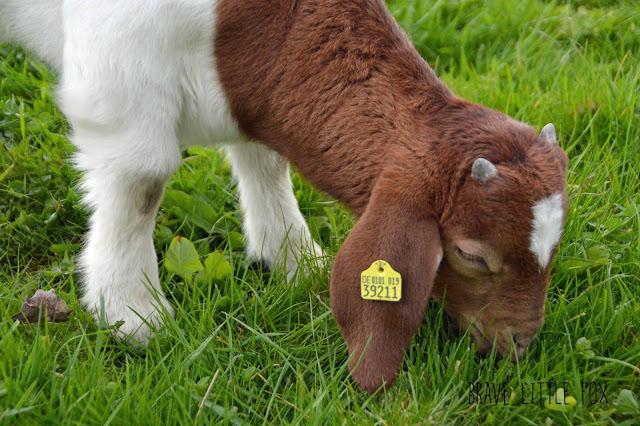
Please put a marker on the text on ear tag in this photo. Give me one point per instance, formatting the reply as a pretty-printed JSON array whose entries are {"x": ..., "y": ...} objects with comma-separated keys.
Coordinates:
[{"x": 381, "y": 282}]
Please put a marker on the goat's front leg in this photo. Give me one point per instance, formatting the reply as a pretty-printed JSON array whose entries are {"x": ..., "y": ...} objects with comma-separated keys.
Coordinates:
[
  {"x": 275, "y": 230},
  {"x": 119, "y": 260},
  {"x": 121, "y": 95}
]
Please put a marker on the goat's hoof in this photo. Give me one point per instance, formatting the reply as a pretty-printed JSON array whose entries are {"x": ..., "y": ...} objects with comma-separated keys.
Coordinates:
[{"x": 133, "y": 321}]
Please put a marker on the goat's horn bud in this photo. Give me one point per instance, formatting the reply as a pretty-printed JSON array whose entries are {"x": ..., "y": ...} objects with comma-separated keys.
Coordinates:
[
  {"x": 483, "y": 170},
  {"x": 548, "y": 134}
]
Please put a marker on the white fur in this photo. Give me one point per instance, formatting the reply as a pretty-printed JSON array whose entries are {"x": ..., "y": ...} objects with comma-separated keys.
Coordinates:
[
  {"x": 138, "y": 78},
  {"x": 36, "y": 24},
  {"x": 271, "y": 213},
  {"x": 546, "y": 227}
]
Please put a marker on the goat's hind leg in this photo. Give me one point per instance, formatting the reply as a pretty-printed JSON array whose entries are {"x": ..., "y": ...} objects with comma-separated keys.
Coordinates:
[{"x": 275, "y": 230}]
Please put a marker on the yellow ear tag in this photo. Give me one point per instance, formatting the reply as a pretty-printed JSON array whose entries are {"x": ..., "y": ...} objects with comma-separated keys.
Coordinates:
[{"x": 381, "y": 282}]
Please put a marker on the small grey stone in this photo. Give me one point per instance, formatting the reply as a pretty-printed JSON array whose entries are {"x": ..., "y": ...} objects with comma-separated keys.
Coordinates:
[{"x": 53, "y": 308}]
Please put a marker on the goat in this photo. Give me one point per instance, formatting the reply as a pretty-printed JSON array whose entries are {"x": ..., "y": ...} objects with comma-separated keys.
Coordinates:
[{"x": 449, "y": 193}]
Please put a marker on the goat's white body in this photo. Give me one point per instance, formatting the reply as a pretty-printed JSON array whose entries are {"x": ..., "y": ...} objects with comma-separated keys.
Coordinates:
[{"x": 138, "y": 79}]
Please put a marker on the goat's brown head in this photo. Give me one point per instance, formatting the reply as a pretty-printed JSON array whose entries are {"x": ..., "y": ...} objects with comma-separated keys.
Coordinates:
[
  {"x": 484, "y": 239},
  {"x": 499, "y": 239}
]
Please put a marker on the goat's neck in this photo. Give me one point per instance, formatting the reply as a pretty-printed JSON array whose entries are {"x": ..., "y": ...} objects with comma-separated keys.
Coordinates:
[{"x": 336, "y": 87}]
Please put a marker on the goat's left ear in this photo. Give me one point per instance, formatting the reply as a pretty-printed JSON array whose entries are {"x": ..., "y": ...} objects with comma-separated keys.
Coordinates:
[
  {"x": 548, "y": 134},
  {"x": 406, "y": 237}
]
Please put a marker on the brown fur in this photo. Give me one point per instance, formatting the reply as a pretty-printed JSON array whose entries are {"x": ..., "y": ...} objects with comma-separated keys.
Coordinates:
[{"x": 336, "y": 87}]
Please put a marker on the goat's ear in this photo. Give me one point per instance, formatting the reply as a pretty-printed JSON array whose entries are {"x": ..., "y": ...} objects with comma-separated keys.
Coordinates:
[{"x": 409, "y": 240}]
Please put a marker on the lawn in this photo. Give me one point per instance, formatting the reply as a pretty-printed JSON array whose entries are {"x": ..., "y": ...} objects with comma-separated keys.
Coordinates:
[{"x": 246, "y": 348}]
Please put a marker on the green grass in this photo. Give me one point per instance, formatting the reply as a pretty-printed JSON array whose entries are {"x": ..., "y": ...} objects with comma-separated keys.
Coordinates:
[{"x": 275, "y": 352}]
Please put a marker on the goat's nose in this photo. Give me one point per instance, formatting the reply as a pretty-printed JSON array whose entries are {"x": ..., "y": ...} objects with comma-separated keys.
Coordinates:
[
  {"x": 523, "y": 340},
  {"x": 518, "y": 352}
]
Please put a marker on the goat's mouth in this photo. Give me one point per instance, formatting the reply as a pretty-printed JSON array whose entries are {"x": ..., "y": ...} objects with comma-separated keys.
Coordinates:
[
  {"x": 484, "y": 343},
  {"x": 506, "y": 347}
]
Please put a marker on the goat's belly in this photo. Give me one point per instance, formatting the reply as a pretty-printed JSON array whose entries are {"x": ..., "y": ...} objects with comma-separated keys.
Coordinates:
[{"x": 206, "y": 117}]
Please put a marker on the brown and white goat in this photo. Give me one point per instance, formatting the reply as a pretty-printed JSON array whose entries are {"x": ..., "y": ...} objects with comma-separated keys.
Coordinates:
[{"x": 455, "y": 196}]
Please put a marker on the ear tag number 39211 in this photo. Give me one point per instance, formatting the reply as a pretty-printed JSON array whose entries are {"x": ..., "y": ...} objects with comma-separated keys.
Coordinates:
[{"x": 381, "y": 282}]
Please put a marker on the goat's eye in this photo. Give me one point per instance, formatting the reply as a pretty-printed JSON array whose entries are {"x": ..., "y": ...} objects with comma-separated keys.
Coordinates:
[{"x": 472, "y": 258}]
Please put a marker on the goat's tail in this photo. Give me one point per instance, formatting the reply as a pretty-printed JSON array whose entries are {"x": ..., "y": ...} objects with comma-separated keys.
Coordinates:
[{"x": 35, "y": 25}]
